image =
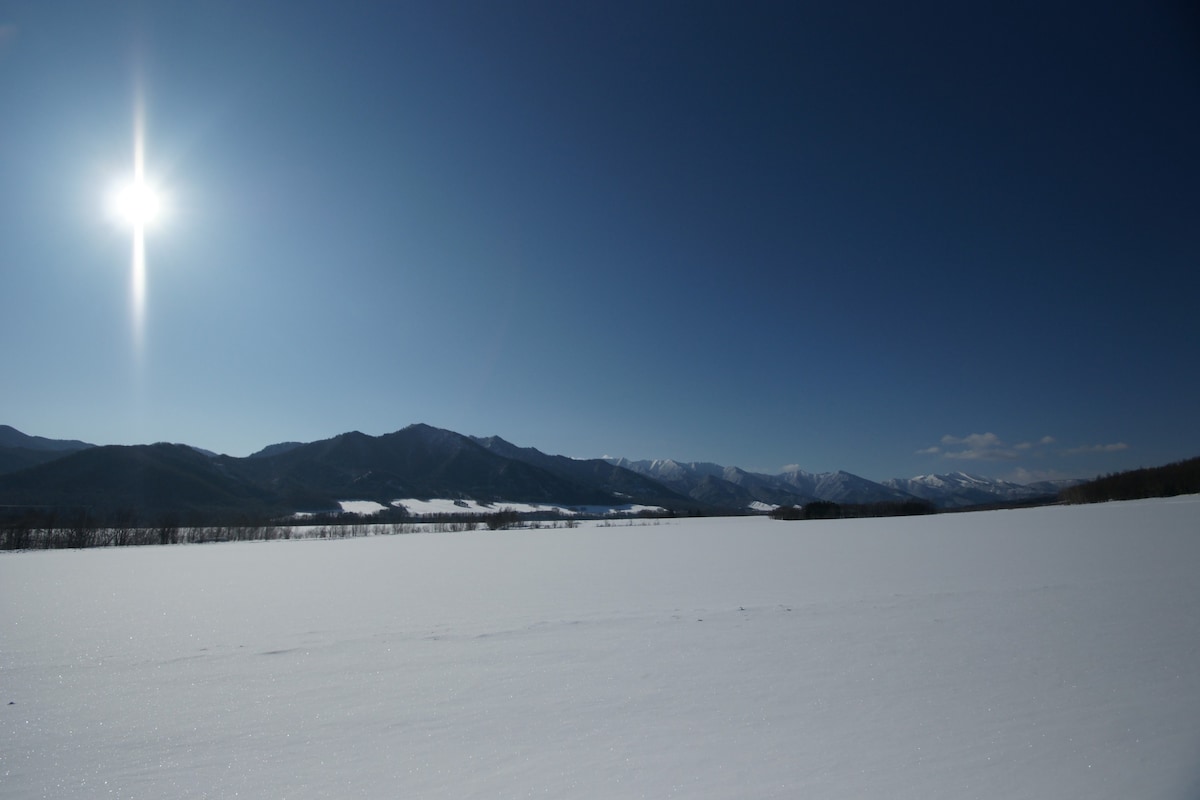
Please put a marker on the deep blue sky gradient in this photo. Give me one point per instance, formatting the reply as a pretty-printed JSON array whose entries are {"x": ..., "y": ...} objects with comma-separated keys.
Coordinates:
[{"x": 838, "y": 235}]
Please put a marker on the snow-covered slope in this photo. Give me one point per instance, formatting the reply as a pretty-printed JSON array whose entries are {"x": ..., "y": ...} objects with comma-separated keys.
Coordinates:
[{"x": 1042, "y": 653}]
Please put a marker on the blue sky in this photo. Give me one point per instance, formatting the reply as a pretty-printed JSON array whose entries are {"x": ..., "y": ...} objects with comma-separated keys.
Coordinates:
[{"x": 887, "y": 238}]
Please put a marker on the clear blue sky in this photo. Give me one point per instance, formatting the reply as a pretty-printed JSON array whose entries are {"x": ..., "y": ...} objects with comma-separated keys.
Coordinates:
[{"x": 890, "y": 238}]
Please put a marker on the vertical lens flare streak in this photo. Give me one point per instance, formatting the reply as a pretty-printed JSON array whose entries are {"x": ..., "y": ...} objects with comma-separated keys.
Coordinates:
[
  {"x": 138, "y": 267},
  {"x": 134, "y": 203}
]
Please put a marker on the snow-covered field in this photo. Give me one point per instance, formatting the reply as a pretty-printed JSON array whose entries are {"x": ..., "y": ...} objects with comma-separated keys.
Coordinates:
[{"x": 1044, "y": 653}]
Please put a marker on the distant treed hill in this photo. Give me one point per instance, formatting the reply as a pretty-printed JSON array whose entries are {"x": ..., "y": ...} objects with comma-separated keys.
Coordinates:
[
  {"x": 153, "y": 478},
  {"x": 20, "y": 451},
  {"x": 418, "y": 461},
  {"x": 1182, "y": 477},
  {"x": 11, "y": 437},
  {"x": 13, "y": 459}
]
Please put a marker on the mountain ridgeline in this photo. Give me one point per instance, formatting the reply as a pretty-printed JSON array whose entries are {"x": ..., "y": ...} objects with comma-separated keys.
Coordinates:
[
  {"x": 18, "y": 450},
  {"x": 416, "y": 462},
  {"x": 422, "y": 462},
  {"x": 732, "y": 487}
]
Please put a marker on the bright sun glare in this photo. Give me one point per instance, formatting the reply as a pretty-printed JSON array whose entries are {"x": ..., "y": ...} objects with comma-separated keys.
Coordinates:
[{"x": 137, "y": 204}]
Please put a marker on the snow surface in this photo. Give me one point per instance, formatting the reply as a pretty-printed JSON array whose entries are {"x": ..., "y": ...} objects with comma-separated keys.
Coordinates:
[
  {"x": 1040, "y": 653},
  {"x": 363, "y": 507}
]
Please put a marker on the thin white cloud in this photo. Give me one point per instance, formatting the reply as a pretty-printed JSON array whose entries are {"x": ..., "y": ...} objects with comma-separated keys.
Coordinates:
[
  {"x": 976, "y": 447},
  {"x": 982, "y": 447},
  {"x": 973, "y": 440},
  {"x": 990, "y": 447},
  {"x": 1027, "y": 476},
  {"x": 982, "y": 454},
  {"x": 1115, "y": 447}
]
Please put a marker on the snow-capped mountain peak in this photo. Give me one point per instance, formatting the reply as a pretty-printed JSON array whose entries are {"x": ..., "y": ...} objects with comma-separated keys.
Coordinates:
[{"x": 958, "y": 489}]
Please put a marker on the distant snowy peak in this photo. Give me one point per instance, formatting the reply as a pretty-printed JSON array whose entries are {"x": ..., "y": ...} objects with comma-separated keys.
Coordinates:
[
  {"x": 730, "y": 487},
  {"x": 958, "y": 489},
  {"x": 797, "y": 473},
  {"x": 964, "y": 480},
  {"x": 733, "y": 487},
  {"x": 956, "y": 479},
  {"x": 844, "y": 487},
  {"x": 669, "y": 470}
]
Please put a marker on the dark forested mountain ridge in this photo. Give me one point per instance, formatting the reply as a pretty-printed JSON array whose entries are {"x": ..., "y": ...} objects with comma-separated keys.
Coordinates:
[
  {"x": 20, "y": 451},
  {"x": 150, "y": 478},
  {"x": 11, "y": 437},
  {"x": 416, "y": 462}
]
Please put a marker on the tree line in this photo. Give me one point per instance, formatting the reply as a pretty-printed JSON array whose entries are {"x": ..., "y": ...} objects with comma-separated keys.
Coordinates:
[
  {"x": 825, "y": 509},
  {"x": 1181, "y": 477},
  {"x": 52, "y": 528}
]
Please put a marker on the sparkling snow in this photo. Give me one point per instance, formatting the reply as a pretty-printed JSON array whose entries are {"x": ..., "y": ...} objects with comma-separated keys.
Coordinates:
[{"x": 1009, "y": 654}]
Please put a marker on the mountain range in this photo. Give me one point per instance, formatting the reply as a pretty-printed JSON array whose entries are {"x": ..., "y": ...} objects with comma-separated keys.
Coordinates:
[
  {"x": 732, "y": 487},
  {"x": 423, "y": 462}
]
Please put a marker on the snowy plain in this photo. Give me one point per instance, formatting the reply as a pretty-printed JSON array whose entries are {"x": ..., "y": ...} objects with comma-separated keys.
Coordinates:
[{"x": 1040, "y": 653}]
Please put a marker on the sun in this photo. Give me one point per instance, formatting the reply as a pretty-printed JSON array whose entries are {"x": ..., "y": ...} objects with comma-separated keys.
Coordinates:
[{"x": 137, "y": 204}]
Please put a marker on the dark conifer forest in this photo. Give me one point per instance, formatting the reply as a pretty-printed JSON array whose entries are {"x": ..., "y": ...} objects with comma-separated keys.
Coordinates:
[{"x": 1182, "y": 477}]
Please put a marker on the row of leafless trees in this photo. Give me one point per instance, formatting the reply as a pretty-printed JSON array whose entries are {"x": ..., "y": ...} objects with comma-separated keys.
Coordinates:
[
  {"x": 51, "y": 528},
  {"x": 824, "y": 509},
  {"x": 47, "y": 529}
]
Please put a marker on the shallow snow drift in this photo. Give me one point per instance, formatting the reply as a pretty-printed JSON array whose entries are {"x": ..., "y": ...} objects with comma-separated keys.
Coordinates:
[{"x": 1010, "y": 654}]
